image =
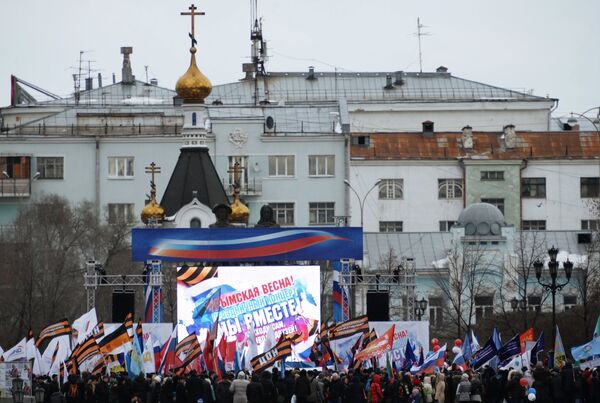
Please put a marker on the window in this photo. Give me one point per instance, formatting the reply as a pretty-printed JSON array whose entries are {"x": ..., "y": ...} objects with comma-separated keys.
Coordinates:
[
  {"x": 436, "y": 317},
  {"x": 243, "y": 161},
  {"x": 492, "y": 175},
  {"x": 390, "y": 226},
  {"x": 119, "y": 213},
  {"x": 193, "y": 118},
  {"x": 590, "y": 187},
  {"x": 321, "y": 165},
  {"x": 446, "y": 225},
  {"x": 533, "y": 188},
  {"x": 496, "y": 202},
  {"x": 283, "y": 213},
  {"x": 427, "y": 127},
  {"x": 120, "y": 167},
  {"x": 450, "y": 188},
  {"x": 281, "y": 165},
  {"x": 590, "y": 225},
  {"x": 50, "y": 167},
  {"x": 569, "y": 301},
  {"x": 390, "y": 189},
  {"x": 484, "y": 307},
  {"x": 15, "y": 167},
  {"x": 534, "y": 303},
  {"x": 534, "y": 225},
  {"x": 361, "y": 140},
  {"x": 321, "y": 213},
  {"x": 195, "y": 223}
]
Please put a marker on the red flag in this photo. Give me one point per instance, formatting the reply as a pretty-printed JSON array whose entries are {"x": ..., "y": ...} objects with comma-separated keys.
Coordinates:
[
  {"x": 527, "y": 335},
  {"x": 377, "y": 347}
]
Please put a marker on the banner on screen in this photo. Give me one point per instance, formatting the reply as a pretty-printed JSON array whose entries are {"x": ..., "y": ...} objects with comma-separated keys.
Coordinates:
[
  {"x": 247, "y": 244},
  {"x": 284, "y": 298}
]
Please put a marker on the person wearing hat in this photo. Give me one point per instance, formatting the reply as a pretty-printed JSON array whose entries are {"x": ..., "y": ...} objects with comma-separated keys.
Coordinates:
[{"x": 463, "y": 391}]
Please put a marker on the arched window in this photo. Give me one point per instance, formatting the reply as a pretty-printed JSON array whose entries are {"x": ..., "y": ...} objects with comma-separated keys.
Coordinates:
[
  {"x": 193, "y": 118},
  {"x": 391, "y": 189},
  {"x": 195, "y": 223}
]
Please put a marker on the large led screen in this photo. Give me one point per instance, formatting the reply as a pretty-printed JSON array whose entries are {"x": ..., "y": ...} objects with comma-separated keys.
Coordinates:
[{"x": 284, "y": 298}]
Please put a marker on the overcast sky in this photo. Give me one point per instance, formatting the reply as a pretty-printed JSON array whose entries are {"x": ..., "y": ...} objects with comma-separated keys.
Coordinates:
[{"x": 548, "y": 46}]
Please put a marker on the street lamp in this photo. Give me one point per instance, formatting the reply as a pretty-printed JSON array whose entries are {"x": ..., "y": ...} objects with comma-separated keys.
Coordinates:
[
  {"x": 520, "y": 305},
  {"x": 553, "y": 286},
  {"x": 361, "y": 202},
  {"x": 420, "y": 308}
]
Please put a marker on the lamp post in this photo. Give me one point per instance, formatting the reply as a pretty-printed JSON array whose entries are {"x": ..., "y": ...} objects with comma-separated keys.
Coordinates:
[
  {"x": 420, "y": 308},
  {"x": 361, "y": 202},
  {"x": 595, "y": 123},
  {"x": 39, "y": 393},
  {"x": 553, "y": 286},
  {"x": 520, "y": 305}
]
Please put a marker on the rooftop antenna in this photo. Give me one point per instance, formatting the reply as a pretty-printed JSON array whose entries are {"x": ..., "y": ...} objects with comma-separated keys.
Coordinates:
[
  {"x": 419, "y": 34},
  {"x": 146, "y": 68}
]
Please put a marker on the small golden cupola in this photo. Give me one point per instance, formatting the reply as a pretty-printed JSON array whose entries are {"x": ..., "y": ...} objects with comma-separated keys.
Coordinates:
[
  {"x": 239, "y": 211},
  {"x": 193, "y": 86},
  {"x": 152, "y": 213}
]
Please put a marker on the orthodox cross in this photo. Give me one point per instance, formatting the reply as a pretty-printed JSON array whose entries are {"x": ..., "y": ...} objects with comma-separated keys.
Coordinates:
[
  {"x": 236, "y": 170},
  {"x": 192, "y": 13},
  {"x": 152, "y": 169}
]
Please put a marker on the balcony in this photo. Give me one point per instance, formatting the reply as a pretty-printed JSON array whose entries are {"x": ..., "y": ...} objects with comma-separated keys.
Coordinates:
[
  {"x": 252, "y": 188},
  {"x": 15, "y": 187}
]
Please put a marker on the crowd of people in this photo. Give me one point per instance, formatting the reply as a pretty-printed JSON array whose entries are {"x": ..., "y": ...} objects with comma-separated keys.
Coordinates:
[{"x": 450, "y": 385}]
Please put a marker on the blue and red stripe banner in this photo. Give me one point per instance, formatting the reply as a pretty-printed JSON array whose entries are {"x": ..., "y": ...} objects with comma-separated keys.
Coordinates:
[{"x": 247, "y": 244}]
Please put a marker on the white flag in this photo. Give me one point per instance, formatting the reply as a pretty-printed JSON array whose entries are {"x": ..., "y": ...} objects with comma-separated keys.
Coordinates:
[
  {"x": 63, "y": 353},
  {"x": 1, "y": 351},
  {"x": 148, "y": 357},
  {"x": 18, "y": 352},
  {"x": 39, "y": 366},
  {"x": 30, "y": 347},
  {"x": 252, "y": 348},
  {"x": 270, "y": 341},
  {"x": 85, "y": 324}
]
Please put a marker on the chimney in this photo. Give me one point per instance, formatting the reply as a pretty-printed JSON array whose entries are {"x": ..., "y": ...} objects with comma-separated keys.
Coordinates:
[
  {"x": 153, "y": 81},
  {"x": 311, "y": 73},
  {"x": 89, "y": 83},
  {"x": 388, "y": 82},
  {"x": 398, "y": 78},
  {"x": 127, "y": 76},
  {"x": 467, "y": 137},
  {"x": 114, "y": 78},
  {"x": 510, "y": 136},
  {"x": 441, "y": 69},
  {"x": 99, "y": 80}
]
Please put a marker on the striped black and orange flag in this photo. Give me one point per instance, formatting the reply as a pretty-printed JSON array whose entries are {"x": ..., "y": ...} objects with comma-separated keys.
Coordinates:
[
  {"x": 281, "y": 350},
  {"x": 193, "y": 351},
  {"x": 192, "y": 275},
  {"x": 99, "y": 368},
  {"x": 54, "y": 330},
  {"x": 139, "y": 333},
  {"x": 114, "y": 340},
  {"x": 128, "y": 323},
  {"x": 351, "y": 327},
  {"x": 54, "y": 355},
  {"x": 86, "y": 350},
  {"x": 185, "y": 346},
  {"x": 71, "y": 368}
]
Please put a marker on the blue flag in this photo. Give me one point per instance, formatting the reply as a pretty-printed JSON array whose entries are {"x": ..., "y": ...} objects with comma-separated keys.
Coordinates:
[
  {"x": 467, "y": 349},
  {"x": 537, "y": 347},
  {"x": 498, "y": 343},
  {"x": 135, "y": 364},
  {"x": 510, "y": 349},
  {"x": 421, "y": 358},
  {"x": 484, "y": 355},
  {"x": 409, "y": 357}
]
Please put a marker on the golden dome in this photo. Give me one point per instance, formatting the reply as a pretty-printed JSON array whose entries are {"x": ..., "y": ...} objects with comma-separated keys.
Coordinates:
[
  {"x": 239, "y": 211},
  {"x": 152, "y": 212},
  {"x": 193, "y": 86}
]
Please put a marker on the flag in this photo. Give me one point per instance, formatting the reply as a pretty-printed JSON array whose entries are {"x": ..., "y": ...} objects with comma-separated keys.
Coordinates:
[
  {"x": 167, "y": 354},
  {"x": 202, "y": 305},
  {"x": 597, "y": 329},
  {"x": 474, "y": 342},
  {"x": 39, "y": 366},
  {"x": 128, "y": 323},
  {"x": 98, "y": 330},
  {"x": 559, "y": 351},
  {"x": 484, "y": 355},
  {"x": 527, "y": 335},
  {"x": 510, "y": 349},
  {"x": 538, "y": 346},
  {"x": 120, "y": 337},
  {"x": 270, "y": 341},
  {"x": 252, "y": 350},
  {"x": 148, "y": 357},
  {"x": 409, "y": 357},
  {"x": 351, "y": 327},
  {"x": 353, "y": 363},
  {"x": 135, "y": 365},
  {"x": 30, "y": 348},
  {"x": 433, "y": 361},
  {"x": 467, "y": 349},
  {"x": 421, "y": 357},
  {"x": 53, "y": 330},
  {"x": 379, "y": 346},
  {"x": 139, "y": 332},
  {"x": 54, "y": 361},
  {"x": 186, "y": 345},
  {"x": 494, "y": 362},
  {"x": 194, "y": 352},
  {"x": 388, "y": 366},
  {"x": 17, "y": 353},
  {"x": 85, "y": 324},
  {"x": 279, "y": 352}
]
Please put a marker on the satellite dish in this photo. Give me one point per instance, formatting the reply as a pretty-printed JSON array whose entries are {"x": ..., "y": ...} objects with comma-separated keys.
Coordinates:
[{"x": 270, "y": 122}]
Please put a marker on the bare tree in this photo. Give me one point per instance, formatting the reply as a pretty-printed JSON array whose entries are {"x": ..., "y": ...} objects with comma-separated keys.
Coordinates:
[
  {"x": 519, "y": 274},
  {"x": 43, "y": 259},
  {"x": 471, "y": 271}
]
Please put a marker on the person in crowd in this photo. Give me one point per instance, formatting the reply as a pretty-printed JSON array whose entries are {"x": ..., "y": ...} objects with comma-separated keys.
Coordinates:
[
  {"x": 254, "y": 391},
  {"x": 223, "y": 392},
  {"x": 302, "y": 387},
  {"x": 238, "y": 388},
  {"x": 440, "y": 388},
  {"x": 463, "y": 390}
]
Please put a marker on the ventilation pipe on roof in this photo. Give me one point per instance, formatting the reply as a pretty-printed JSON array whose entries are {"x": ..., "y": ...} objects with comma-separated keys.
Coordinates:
[
  {"x": 311, "y": 73},
  {"x": 89, "y": 83},
  {"x": 441, "y": 69},
  {"x": 509, "y": 135},
  {"x": 99, "y": 80},
  {"x": 153, "y": 81},
  {"x": 127, "y": 76},
  {"x": 388, "y": 82},
  {"x": 467, "y": 137},
  {"x": 398, "y": 80}
]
